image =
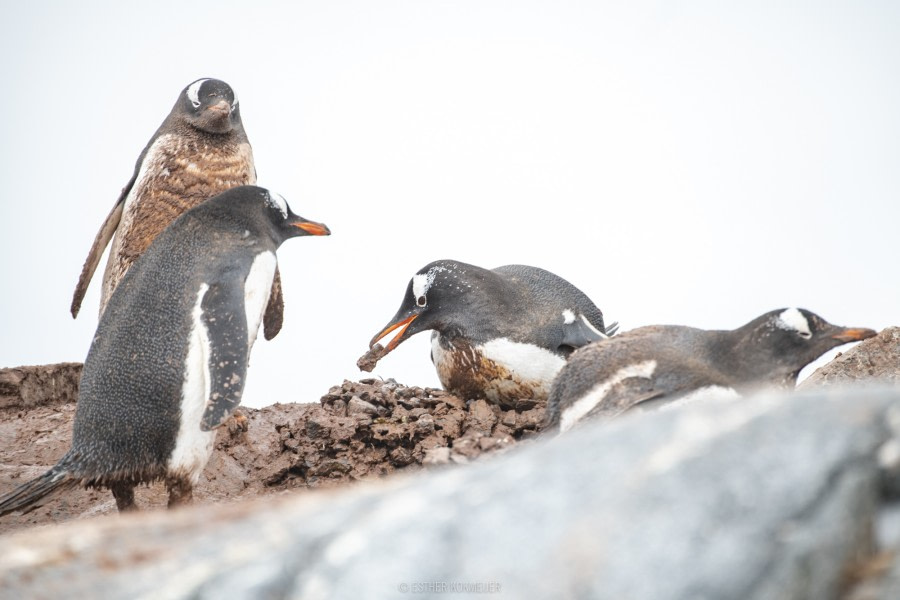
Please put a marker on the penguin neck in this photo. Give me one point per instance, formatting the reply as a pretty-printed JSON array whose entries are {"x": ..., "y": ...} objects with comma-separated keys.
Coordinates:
[
  {"x": 744, "y": 354},
  {"x": 183, "y": 127},
  {"x": 485, "y": 314}
]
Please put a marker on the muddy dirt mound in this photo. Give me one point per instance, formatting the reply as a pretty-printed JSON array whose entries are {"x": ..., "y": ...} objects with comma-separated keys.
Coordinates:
[
  {"x": 359, "y": 430},
  {"x": 21, "y": 387}
]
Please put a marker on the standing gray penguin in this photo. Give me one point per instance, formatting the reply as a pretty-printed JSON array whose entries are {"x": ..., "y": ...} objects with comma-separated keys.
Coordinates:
[
  {"x": 664, "y": 365},
  {"x": 169, "y": 359},
  {"x": 500, "y": 334},
  {"x": 200, "y": 150}
]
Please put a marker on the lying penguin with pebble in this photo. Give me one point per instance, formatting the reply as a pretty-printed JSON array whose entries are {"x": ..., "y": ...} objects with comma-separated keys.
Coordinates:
[
  {"x": 168, "y": 362},
  {"x": 499, "y": 334},
  {"x": 662, "y": 366}
]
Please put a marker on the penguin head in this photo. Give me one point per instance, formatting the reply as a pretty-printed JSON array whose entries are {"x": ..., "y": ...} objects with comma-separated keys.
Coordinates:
[
  {"x": 210, "y": 105},
  {"x": 788, "y": 339},
  {"x": 439, "y": 296},
  {"x": 283, "y": 222},
  {"x": 252, "y": 212}
]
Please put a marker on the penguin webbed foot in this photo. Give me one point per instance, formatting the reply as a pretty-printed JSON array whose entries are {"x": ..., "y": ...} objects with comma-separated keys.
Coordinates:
[
  {"x": 237, "y": 423},
  {"x": 181, "y": 492},
  {"x": 124, "y": 495}
]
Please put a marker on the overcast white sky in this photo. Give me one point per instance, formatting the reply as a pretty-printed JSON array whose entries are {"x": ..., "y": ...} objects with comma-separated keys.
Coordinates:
[{"x": 696, "y": 163}]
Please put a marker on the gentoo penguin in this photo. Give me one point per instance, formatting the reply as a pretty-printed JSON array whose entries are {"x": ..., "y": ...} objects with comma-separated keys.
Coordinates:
[
  {"x": 200, "y": 149},
  {"x": 500, "y": 334},
  {"x": 169, "y": 359},
  {"x": 667, "y": 365}
]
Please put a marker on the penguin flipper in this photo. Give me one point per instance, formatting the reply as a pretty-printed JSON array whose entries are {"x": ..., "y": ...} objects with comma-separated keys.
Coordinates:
[
  {"x": 274, "y": 315},
  {"x": 223, "y": 315},
  {"x": 632, "y": 395},
  {"x": 93, "y": 258},
  {"x": 650, "y": 402}
]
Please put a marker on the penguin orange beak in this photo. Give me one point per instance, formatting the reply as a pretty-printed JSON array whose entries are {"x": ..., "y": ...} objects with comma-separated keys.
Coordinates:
[
  {"x": 393, "y": 343},
  {"x": 313, "y": 228},
  {"x": 854, "y": 335}
]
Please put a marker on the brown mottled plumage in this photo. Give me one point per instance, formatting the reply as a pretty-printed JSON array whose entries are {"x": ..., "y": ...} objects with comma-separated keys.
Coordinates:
[
  {"x": 468, "y": 373},
  {"x": 200, "y": 150}
]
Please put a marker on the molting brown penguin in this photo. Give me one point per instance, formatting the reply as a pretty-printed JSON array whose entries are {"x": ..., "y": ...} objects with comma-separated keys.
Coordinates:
[{"x": 200, "y": 150}]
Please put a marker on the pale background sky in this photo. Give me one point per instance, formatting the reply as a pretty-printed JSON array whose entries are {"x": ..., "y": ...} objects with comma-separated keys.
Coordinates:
[{"x": 696, "y": 163}]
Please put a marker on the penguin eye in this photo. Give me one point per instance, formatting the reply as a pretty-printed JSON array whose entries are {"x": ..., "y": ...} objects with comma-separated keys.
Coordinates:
[
  {"x": 193, "y": 92},
  {"x": 421, "y": 300},
  {"x": 804, "y": 334}
]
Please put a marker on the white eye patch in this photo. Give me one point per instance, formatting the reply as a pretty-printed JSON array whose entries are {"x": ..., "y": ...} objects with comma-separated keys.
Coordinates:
[
  {"x": 421, "y": 283},
  {"x": 793, "y": 320},
  {"x": 193, "y": 92},
  {"x": 278, "y": 202}
]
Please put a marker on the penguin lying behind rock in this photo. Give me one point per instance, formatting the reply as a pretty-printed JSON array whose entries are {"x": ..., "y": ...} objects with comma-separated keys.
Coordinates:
[
  {"x": 200, "y": 149},
  {"x": 169, "y": 359},
  {"x": 662, "y": 366},
  {"x": 500, "y": 334}
]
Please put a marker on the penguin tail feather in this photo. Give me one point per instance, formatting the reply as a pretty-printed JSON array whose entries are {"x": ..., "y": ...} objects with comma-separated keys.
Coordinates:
[
  {"x": 612, "y": 329},
  {"x": 27, "y": 495}
]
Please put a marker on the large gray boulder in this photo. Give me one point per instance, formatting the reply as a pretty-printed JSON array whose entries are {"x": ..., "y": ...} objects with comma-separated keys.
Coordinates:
[{"x": 770, "y": 497}]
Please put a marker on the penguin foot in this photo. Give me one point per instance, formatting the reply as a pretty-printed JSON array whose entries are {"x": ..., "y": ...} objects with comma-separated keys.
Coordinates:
[
  {"x": 181, "y": 492},
  {"x": 237, "y": 423},
  {"x": 124, "y": 495}
]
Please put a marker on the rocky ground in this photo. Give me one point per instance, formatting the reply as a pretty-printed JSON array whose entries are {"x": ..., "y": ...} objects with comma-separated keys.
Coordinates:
[
  {"x": 759, "y": 498},
  {"x": 359, "y": 430}
]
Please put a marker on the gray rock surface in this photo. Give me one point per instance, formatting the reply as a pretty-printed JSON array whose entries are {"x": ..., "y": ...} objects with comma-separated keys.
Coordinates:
[
  {"x": 760, "y": 498},
  {"x": 875, "y": 359},
  {"x": 879, "y": 577}
]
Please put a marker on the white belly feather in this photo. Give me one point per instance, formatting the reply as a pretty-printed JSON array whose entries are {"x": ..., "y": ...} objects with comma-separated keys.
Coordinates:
[
  {"x": 193, "y": 447},
  {"x": 527, "y": 361},
  {"x": 531, "y": 367}
]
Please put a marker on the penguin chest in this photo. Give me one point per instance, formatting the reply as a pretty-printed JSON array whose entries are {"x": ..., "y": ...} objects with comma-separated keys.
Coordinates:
[
  {"x": 175, "y": 175},
  {"x": 500, "y": 370},
  {"x": 193, "y": 446}
]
